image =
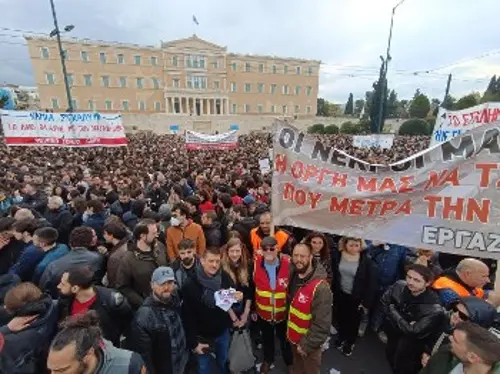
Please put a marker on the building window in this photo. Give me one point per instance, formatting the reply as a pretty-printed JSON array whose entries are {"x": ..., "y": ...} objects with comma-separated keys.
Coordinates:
[
  {"x": 273, "y": 108},
  {"x": 260, "y": 108},
  {"x": 70, "y": 79},
  {"x": 308, "y": 90},
  {"x": 139, "y": 82},
  {"x": 195, "y": 62},
  {"x": 297, "y": 90},
  {"x": 74, "y": 104},
  {"x": 90, "y": 105},
  {"x": 142, "y": 105},
  {"x": 235, "y": 108},
  {"x": 120, "y": 58},
  {"x": 296, "y": 109},
  {"x": 248, "y": 67},
  {"x": 102, "y": 57},
  {"x": 248, "y": 87},
  {"x": 154, "y": 60},
  {"x": 176, "y": 83},
  {"x": 45, "y": 53},
  {"x": 123, "y": 82},
  {"x": 196, "y": 82},
  {"x": 261, "y": 68},
  {"x": 108, "y": 105},
  {"x": 50, "y": 78},
  {"x": 274, "y": 69},
  {"x": 66, "y": 54},
  {"x": 156, "y": 83},
  {"x": 216, "y": 85},
  {"x": 285, "y": 69},
  {"x": 308, "y": 109},
  {"x": 247, "y": 108},
  {"x": 88, "y": 79},
  {"x": 55, "y": 103},
  {"x": 233, "y": 87},
  {"x": 137, "y": 60},
  {"x": 273, "y": 89},
  {"x": 215, "y": 64},
  {"x": 85, "y": 56},
  {"x": 175, "y": 61},
  {"x": 105, "y": 81},
  {"x": 125, "y": 105},
  {"x": 286, "y": 90},
  {"x": 260, "y": 87},
  {"x": 309, "y": 70},
  {"x": 157, "y": 106},
  {"x": 298, "y": 70},
  {"x": 285, "y": 109},
  {"x": 233, "y": 67}
]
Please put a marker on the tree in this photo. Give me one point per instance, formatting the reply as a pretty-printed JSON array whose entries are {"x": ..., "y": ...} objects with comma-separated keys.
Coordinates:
[
  {"x": 334, "y": 110},
  {"x": 402, "y": 110},
  {"x": 392, "y": 104},
  {"x": 378, "y": 102},
  {"x": 331, "y": 129},
  {"x": 420, "y": 105},
  {"x": 349, "y": 128},
  {"x": 322, "y": 107},
  {"x": 358, "y": 107},
  {"x": 492, "y": 92},
  {"x": 368, "y": 103},
  {"x": 414, "y": 126},
  {"x": 449, "y": 102},
  {"x": 466, "y": 102},
  {"x": 349, "y": 107},
  {"x": 318, "y": 128},
  {"x": 364, "y": 126}
]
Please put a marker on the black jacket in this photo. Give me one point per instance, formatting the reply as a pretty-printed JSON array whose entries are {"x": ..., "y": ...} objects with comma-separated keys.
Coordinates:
[
  {"x": 365, "y": 282},
  {"x": 10, "y": 254},
  {"x": 200, "y": 320},
  {"x": 25, "y": 352},
  {"x": 158, "y": 336},
  {"x": 244, "y": 226},
  {"x": 112, "y": 308},
  {"x": 213, "y": 235},
  {"x": 62, "y": 220},
  {"x": 37, "y": 202},
  {"x": 412, "y": 315}
]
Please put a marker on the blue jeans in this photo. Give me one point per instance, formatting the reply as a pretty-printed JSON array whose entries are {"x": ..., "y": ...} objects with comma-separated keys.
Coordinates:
[{"x": 221, "y": 350}]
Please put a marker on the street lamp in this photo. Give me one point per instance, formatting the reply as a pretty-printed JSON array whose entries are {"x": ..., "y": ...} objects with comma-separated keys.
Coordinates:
[
  {"x": 57, "y": 33},
  {"x": 383, "y": 71}
]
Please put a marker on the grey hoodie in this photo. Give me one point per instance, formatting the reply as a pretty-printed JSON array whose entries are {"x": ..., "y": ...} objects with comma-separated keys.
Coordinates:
[{"x": 114, "y": 360}]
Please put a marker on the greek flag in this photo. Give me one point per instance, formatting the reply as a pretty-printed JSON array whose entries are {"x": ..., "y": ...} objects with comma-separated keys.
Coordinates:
[{"x": 195, "y": 20}]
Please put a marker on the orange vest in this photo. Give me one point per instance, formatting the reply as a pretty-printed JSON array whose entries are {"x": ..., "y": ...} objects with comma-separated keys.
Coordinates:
[
  {"x": 271, "y": 304},
  {"x": 299, "y": 315},
  {"x": 280, "y": 236},
  {"x": 444, "y": 282}
]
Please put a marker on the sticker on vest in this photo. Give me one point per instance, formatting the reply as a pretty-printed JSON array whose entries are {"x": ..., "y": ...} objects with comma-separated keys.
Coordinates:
[
  {"x": 283, "y": 282},
  {"x": 302, "y": 298}
]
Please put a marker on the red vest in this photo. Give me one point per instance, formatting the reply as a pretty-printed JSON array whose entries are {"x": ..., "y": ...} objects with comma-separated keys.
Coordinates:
[
  {"x": 271, "y": 304},
  {"x": 299, "y": 315}
]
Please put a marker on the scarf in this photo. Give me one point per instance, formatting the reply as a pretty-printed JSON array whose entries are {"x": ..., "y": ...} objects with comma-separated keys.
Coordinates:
[{"x": 210, "y": 285}]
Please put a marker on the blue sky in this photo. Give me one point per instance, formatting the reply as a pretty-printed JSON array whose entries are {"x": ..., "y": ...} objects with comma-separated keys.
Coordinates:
[{"x": 348, "y": 36}]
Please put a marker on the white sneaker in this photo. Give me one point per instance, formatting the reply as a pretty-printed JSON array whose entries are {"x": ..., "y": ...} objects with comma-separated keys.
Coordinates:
[{"x": 333, "y": 330}]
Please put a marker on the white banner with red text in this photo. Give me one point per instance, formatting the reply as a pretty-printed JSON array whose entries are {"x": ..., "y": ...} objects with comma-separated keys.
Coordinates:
[
  {"x": 197, "y": 141},
  {"x": 62, "y": 129}
]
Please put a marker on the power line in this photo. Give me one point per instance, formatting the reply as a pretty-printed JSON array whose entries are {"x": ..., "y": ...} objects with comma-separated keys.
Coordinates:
[{"x": 484, "y": 55}]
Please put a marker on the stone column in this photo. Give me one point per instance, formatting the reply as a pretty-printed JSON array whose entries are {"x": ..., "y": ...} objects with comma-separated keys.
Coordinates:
[
  {"x": 227, "y": 107},
  {"x": 209, "y": 103},
  {"x": 181, "y": 109},
  {"x": 201, "y": 106}
]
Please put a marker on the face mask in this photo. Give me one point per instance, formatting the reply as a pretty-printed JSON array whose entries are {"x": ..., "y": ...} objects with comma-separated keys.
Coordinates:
[
  {"x": 174, "y": 221},
  {"x": 85, "y": 217}
]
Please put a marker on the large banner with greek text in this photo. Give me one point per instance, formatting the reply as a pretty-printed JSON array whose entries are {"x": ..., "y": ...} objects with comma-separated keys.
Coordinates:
[
  {"x": 446, "y": 198},
  {"x": 62, "y": 129},
  {"x": 196, "y": 140},
  {"x": 451, "y": 123},
  {"x": 383, "y": 141}
]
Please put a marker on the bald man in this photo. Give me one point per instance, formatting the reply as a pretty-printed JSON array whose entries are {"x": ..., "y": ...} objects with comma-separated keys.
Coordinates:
[{"x": 468, "y": 279}]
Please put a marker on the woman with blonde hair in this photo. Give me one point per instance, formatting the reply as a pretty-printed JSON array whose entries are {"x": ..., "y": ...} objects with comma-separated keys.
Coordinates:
[
  {"x": 354, "y": 285},
  {"x": 236, "y": 264}
]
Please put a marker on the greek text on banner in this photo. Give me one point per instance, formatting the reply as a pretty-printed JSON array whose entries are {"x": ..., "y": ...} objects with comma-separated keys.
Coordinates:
[
  {"x": 196, "y": 140},
  {"x": 446, "y": 198},
  {"x": 63, "y": 129}
]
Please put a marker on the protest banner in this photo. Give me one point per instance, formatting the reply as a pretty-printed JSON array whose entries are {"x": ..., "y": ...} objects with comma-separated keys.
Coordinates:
[
  {"x": 63, "y": 129},
  {"x": 196, "y": 140},
  {"x": 446, "y": 198},
  {"x": 451, "y": 123},
  {"x": 383, "y": 141}
]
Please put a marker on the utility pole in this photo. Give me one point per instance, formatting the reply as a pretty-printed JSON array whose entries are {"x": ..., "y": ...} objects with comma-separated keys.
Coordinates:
[
  {"x": 57, "y": 33},
  {"x": 447, "y": 92}
]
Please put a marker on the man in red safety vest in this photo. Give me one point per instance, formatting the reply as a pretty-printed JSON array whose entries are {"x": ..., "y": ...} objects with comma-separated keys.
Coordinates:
[
  {"x": 309, "y": 312},
  {"x": 270, "y": 276}
]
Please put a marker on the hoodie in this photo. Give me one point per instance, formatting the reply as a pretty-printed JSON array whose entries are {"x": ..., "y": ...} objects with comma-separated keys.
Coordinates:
[{"x": 321, "y": 310}]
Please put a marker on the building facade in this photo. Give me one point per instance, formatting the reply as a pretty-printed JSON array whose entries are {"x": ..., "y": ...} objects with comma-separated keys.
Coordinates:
[{"x": 186, "y": 77}]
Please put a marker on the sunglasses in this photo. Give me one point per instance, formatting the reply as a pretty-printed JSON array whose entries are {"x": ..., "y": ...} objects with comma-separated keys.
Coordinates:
[
  {"x": 464, "y": 317},
  {"x": 266, "y": 249}
]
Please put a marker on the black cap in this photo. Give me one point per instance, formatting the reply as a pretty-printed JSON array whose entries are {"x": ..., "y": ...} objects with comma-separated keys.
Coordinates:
[{"x": 268, "y": 241}]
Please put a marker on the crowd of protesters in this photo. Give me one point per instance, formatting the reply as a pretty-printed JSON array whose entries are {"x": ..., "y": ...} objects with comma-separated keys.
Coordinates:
[{"x": 115, "y": 260}]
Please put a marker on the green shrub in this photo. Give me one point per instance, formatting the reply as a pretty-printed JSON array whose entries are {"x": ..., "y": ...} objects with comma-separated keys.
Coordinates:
[
  {"x": 331, "y": 129},
  {"x": 318, "y": 128},
  {"x": 415, "y": 126},
  {"x": 349, "y": 128}
]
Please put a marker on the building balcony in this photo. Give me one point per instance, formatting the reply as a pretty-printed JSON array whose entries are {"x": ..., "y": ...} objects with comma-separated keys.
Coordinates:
[{"x": 194, "y": 92}]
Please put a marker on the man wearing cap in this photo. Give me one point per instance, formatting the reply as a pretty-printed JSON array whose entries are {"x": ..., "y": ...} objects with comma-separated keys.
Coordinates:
[
  {"x": 156, "y": 332},
  {"x": 271, "y": 272}
]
